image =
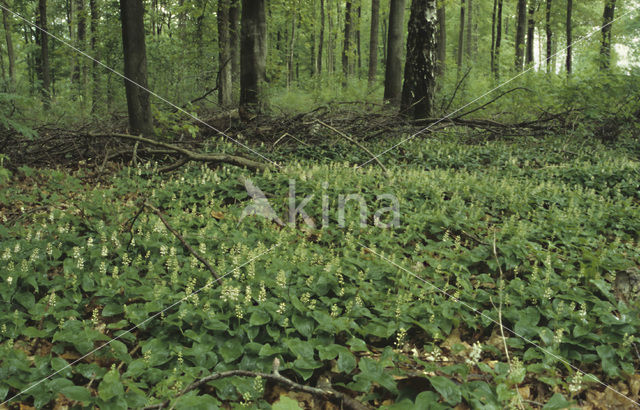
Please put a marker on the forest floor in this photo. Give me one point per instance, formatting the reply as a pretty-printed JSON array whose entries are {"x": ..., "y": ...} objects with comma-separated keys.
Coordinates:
[{"x": 507, "y": 280}]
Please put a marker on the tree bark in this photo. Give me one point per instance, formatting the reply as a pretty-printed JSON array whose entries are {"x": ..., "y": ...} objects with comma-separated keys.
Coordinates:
[
  {"x": 373, "y": 42},
  {"x": 569, "y": 36},
  {"x": 347, "y": 43},
  {"x": 43, "y": 69},
  {"x": 442, "y": 40},
  {"x": 234, "y": 38},
  {"x": 95, "y": 86},
  {"x": 253, "y": 54},
  {"x": 420, "y": 68},
  {"x": 393, "y": 71},
  {"x": 292, "y": 43},
  {"x": 135, "y": 67},
  {"x": 224, "y": 54},
  {"x": 496, "y": 71},
  {"x": 321, "y": 39},
  {"x": 358, "y": 45},
  {"x": 492, "y": 53},
  {"x": 461, "y": 38},
  {"x": 8, "y": 29},
  {"x": 531, "y": 26},
  {"x": 469, "y": 29},
  {"x": 521, "y": 29},
  {"x": 607, "y": 19},
  {"x": 549, "y": 34},
  {"x": 80, "y": 75}
]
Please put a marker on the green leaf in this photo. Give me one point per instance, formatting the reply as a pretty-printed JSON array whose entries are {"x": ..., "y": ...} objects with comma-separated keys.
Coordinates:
[
  {"x": 77, "y": 393},
  {"x": 286, "y": 403},
  {"x": 557, "y": 402},
  {"x": 449, "y": 390},
  {"x": 608, "y": 357},
  {"x": 259, "y": 318},
  {"x": 110, "y": 386}
]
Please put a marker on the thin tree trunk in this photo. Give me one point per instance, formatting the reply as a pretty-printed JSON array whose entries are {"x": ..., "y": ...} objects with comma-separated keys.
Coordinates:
[
  {"x": 469, "y": 29},
  {"x": 419, "y": 72},
  {"x": 569, "y": 36},
  {"x": 492, "y": 53},
  {"x": 253, "y": 54},
  {"x": 8, "y": 29},
  {"x": 549, "y": 33},
  {"x": 347, "y": 43},
  {"x": 498, "y": 41},
  {"x": 292, "y": 42},
  {"x": 442, "y": 40},
  {"x": 321, "y": 39},
  {"x": 234, "y": 38},
  {"x": 385, "y": 35},
  {"x": 393, "y": 72},
  {"x": 461, "y": 38},
  {"x": 93, "y": 8},
  {"x": 135, "y": 67},
  {"x": 521, "y": 29},
  {"x": 531, "y": 26},
  {"x": 607, "y": 19},
  {"x": 42, "y": 61},
  {"x": 81, "y": 67},
  {"x": 358, "y": 48},
  {"x": 224, "y": 54},
  {"x": 373, "y": 42}
]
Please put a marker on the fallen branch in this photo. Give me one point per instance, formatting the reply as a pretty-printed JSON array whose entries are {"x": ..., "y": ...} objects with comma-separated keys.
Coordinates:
[
  {"x": 192, "y": 156},
  {"x": 181, "y": 239},
  {"x": 348, "y": 138},
  {"x": 490, "y": 102},
  {"x": 329, "y": 393}
]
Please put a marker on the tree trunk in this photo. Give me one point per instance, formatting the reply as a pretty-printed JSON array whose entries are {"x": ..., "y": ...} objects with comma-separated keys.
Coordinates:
[
  {"x": 95, "y": 86},
  {"x": 569, "y": 36},
  {"x": 442, "y": 40},
  {"x": 6, "y": 22},
  {"x": 253, "y": 54},
  {"x": 321, "y": 39},
  {"x": 358, "y": 48},
  {"x": 521, "y": 29},
  {"x": 347, "y": 43},
  {"x": 393, "y": 71},
  {"x": 469, "y": 29},
  {"x": 460, "y": 38},
  {"x": 224, "y": 54},
  {"x": 492, "y": 53},
  {"x": 607, "y": 20},
  {"x": 531, "y": 26},
  {"x": 419, "y": 71},
  {"x": 373, "y": 42},
  {"x": 292, "y": 43},
  {"x": 498, "y": 41},
  {"x": 81, "y": 66},
  {"x": 234, "y": 38},
  {"x": 549, "y": 33},
  {"x": 43, "y": 69},
  {"x": 135, "y": 67}
]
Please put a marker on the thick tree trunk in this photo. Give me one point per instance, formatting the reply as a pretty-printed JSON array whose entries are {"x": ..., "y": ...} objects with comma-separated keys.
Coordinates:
[
  {"x": 442, "y": 40},
  {"x": 224, "y": 54},
  {"x": 373, "y": 43},
  {"x": 496, "y": 66},
  {"x": 43, "y": 69},
  {"x": 521, "y": 29},
  {"x": 8, "y": 29},
  {"x": 549, "y": 33},
  {"x": 321, "y": 39},
  {"x": 460, "y": 38},
  {"x": 569, "y": 36},
  {"x": 420, "y": 68},
  {"x": 135, "y": 67},
  {"x": 393, "y": 72},
  {"x": 607, "y": 19},
  {"x": 95, "y": 86},
  {"x": 234, "y": 38},
  {"x": 531, "y": 26},
  {"x": 346, "y": 48},
  {"x": 253, "y": 54}
]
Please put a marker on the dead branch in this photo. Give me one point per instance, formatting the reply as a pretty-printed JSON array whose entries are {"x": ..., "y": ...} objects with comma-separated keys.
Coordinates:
[
  {"x": 490, "y": 102},
  {"x": 275, "y": 377},
  {"x": 181, "y": 239},
  {"x": 191, "y": 155},
  {"x": 348, "y": 138}
]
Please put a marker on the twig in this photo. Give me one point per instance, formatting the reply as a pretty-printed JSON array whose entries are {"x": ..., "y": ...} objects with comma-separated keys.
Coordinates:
[
  {"x": 181, "y": 239},
  {"x": 173, "y": 166},
  {"x": 348, "y": 138},
  {"x": 492, "y": 100},
  {"x": 456, "y": 89},
  {"x": 193, "y": 156},
  {"x": 275, "y": 377}
]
